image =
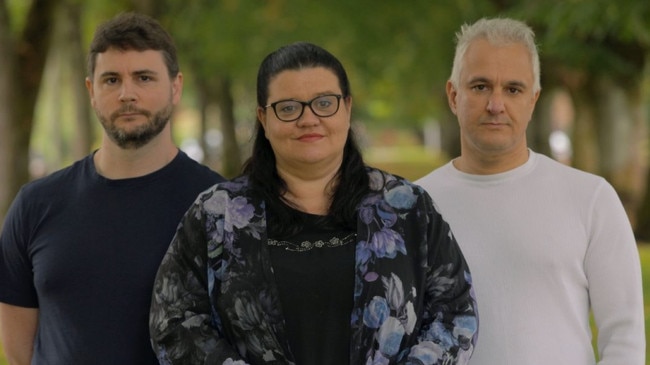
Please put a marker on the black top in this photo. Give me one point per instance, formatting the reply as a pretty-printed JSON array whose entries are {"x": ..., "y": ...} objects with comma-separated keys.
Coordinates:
[{"x": 314, "y": 271}]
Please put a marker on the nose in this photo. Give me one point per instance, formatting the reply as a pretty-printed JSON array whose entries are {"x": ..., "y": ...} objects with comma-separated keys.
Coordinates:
[
  {"x": 308, "y": 118},
  {"x": 495, "y": 103},
  {"x": 127, "y": 92}
]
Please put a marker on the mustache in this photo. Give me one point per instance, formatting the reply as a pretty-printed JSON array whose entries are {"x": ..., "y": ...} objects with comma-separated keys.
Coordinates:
[{"x": 130, "y": 109}]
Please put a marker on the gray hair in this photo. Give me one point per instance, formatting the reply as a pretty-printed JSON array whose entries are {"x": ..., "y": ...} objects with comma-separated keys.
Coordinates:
[{"x": 497, "y": 31}]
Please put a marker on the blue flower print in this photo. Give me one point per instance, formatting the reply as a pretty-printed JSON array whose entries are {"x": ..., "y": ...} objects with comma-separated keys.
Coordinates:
[
  {"x": 411, "y": 317},
  {"x": 441, "y": 334},
  {"x": 390, "y": 336},
  {"x": 363, "y": 254},
  {"x": 394, "y": 291},
  {"x": 240, "y": 213},
  {"x": 216, "y": 204},
  {"x": 378, "y": 359},
  {"x": 366, "y": 214},
  {"x": 401, "y": 197},
  {"x": 464, "y": 329},
  {"x": 386, "y": 214},
  {"x": 376, "y": 312},
  {"x": 377, "y": 180},
  {"x": 425, "y": 353},
  {"x": 386, "y": 243}
]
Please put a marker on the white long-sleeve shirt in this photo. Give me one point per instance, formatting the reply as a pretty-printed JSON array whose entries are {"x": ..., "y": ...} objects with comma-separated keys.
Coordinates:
[{"x": 545, "y": 244}]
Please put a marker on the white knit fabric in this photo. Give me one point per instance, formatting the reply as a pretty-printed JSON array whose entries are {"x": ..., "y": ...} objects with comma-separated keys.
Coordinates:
[{"x": 543, "y": 242}]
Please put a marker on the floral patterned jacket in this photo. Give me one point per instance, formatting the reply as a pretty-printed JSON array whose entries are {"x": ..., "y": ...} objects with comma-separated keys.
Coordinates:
[{"x": 215, "y": 300}]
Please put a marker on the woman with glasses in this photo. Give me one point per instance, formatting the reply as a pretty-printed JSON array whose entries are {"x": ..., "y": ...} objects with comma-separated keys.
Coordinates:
[{"x": 310, "y": 256}]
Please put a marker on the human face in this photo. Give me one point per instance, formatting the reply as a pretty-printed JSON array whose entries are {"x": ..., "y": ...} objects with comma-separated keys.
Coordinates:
[
  {"x": 133, "y": 95},
  {"x": 310, "y": 141},
  {"x": 494, "y": 101}
]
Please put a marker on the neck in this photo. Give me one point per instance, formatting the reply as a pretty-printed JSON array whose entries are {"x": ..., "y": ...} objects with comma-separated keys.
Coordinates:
[
  {"x": 310, "y": 191},
  {"x": 486, "y": 164},
  {"x": 114, "y": 162}
]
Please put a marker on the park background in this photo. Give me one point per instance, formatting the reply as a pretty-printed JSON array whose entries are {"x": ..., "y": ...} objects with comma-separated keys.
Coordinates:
[{"x": 593, "y": 113}]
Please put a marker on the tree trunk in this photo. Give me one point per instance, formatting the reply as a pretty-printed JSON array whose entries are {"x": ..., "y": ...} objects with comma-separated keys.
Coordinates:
[
  {"x": 26, "y": 60},
  {"x": 642, "y": 227},
  {"x": 583, "y": 136},
  {"x": 622, "y": 131},
  {"x": 7, "y": 67},
  {"x": 539, "y": 128},
  {"x": 231, "y": 159},
  {"x": 82, "y": 143}
]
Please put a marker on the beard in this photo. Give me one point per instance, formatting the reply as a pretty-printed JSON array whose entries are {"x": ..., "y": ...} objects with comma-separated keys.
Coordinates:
[{"x": 135, "y": 138}]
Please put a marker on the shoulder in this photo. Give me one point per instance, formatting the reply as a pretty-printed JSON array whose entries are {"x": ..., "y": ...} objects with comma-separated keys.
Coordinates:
[
  {"x": 50, "y": 193},
  {"x": 439, "y": 176},
  {"x": 380, "y": 179},
  {"x": 61, "y": 180},
  {"x": 234, "y": 197},
  {"x": 567, "y": 174},
  {"x": 188, "y": 165},
  {"x": 227, "y": 190},
  {"x": 394, "y": 189}
]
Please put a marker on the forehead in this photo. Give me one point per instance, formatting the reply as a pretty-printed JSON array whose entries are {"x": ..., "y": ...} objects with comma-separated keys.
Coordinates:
[
  {"x": 303, "y": 82},
  {"x": 511, "y": 62},
  {"x": 129, "y": 61}
]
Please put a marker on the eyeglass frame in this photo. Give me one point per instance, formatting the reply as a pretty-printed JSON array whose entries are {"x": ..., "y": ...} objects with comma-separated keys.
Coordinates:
[{"x": 303, "y": 104}]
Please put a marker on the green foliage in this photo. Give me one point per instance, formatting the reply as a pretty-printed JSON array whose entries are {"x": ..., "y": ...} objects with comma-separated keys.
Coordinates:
[
  {"x": 397, "y": 56},
  {"x": 600, "y": 36},
  {"x": 17, "y": 13}
]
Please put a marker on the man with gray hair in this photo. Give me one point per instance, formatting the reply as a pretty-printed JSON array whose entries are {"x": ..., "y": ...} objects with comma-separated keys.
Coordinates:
[{"x": 546, "y": 243}]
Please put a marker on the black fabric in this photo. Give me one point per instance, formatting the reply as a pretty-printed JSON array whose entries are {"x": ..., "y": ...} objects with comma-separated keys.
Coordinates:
[
  {"x": 85, "y": 250},
  {"x": 316, "y": 289}
]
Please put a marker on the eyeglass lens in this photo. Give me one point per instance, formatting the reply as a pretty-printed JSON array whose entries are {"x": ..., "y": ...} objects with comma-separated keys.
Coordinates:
[{"x": 322, "y": 106}]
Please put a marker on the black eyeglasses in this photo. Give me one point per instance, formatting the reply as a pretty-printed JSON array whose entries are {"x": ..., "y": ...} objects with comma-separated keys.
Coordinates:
[{"x": 291, "y": 110}]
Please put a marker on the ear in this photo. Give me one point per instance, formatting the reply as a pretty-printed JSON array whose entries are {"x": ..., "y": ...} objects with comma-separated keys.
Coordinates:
[
  {"x": 452, "y": 93},
  {"x": 177, "y": 88},
  {"x": 536, "y": 96},
  {"x": 348, "y": 103},
  {"x": 261, "y": 116},
  {"x": 91, "y": 92}
]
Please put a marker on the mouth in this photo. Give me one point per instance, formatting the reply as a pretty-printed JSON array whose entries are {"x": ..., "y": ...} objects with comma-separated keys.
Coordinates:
[
  {"x": 310, "y": 137},
  {"x": 494, "y": 123},
  {"x": 128, "y": 114}
]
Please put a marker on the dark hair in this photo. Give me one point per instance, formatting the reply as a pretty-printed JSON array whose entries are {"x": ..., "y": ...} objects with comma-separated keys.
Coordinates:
[
  {"x": 351, "y": 180},
  {"x": 133, "y": 31}
]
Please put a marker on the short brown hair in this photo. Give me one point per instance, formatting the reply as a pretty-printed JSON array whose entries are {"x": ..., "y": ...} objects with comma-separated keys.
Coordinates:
[{"x": 133, "y": 31}]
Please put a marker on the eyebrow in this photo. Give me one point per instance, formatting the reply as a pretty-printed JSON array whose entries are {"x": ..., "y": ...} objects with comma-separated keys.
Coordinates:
[
  {"x": 135, "y": 73},
  {"x": 481, "y": 79}
]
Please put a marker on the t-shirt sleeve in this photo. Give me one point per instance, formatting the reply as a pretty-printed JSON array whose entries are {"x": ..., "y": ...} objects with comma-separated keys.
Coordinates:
[{"x": 16, "y": 273}]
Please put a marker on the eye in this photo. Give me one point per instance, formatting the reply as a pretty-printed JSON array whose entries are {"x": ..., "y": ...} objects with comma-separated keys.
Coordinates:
[
  {"x": 323, "y": 103},
  {"x": 286, "y": 108},
  {"x": 479, "y": 87},
  {"x": 514, "y": 90},
  {"x": 110, "y": 80}
]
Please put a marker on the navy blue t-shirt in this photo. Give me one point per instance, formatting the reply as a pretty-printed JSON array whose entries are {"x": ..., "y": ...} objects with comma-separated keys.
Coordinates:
[{"x": 84, "y": 250}]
